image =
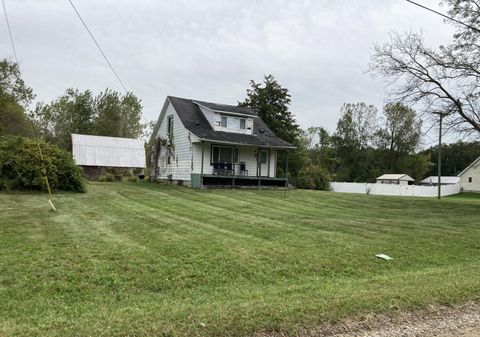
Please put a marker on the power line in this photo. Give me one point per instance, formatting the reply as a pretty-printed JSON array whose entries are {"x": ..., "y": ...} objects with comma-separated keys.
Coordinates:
[
  {"x": 98, "y": 46},
  {"x": 443, "y": 15},
  {"x": 9, "y": 31}
]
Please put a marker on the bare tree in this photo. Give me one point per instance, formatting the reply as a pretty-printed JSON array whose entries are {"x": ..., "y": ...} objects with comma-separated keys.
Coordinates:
[{"x": 445, "y": 80}]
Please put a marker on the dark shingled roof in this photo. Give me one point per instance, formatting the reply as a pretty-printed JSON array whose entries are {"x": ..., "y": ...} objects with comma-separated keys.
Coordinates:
[
  {"x": 195, "y": 121},
  {"x": 228, "y": 108}
]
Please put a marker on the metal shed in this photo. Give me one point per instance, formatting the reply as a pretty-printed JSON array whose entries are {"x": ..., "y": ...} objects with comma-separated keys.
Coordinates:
[
  {"x": 398, "y": 179},
  {"x": 100, "y": 151}
]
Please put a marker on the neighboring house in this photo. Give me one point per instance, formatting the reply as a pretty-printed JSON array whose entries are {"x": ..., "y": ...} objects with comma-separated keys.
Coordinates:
[
  {"x": 397, "y": 179},
  {"x": 95, "y": 153},
  {"x": 470, "y": 177},
  {"x": 444, "y": 180},
  {"x": 202, "y": 144}
]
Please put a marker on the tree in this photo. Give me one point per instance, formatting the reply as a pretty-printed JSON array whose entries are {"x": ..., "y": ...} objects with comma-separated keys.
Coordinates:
[
  {"x": 272, "y": 103},
  {"x": 455, "y": 157},
  {"x": 15, "y": 96},
  {"x": 402, "y": 129},
  {"x": 118, "y": 116},
  {"x": 320, "y": 148},
  {"x": 73, "y": 112},
  {"x": 446, "y": 79},
  {"x": 107, "y": 114},
  {"x": 400, "y": 135},
  {"x": 357, "y": 125},
  {"x": 353, "y": 138}
]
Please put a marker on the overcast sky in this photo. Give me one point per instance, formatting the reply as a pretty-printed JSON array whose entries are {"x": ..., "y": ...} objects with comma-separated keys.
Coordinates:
[{"x": 209, "y": 50}]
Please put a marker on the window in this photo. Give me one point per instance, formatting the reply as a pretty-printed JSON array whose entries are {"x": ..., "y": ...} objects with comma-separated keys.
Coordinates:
[
  {"x": 263, "y": 157},
  {"x": 233, "y": 122},
  {"x": 170, "y": 125},
  {"x": 224, "y": 154},
  {"x": 470, "y": 179}
]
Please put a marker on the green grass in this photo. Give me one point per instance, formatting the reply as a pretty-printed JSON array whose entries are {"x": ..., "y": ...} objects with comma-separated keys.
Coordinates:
[{"x": 150, "y": 260}]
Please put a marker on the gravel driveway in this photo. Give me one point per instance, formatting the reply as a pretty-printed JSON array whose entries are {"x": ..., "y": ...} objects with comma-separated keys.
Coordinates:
[{"x": 460, "y": 321}]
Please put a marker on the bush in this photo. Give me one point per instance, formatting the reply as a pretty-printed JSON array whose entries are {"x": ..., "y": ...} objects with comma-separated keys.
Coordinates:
[
  {"x": 313, "y": 177},
  {"x": 21, "y": 167},
  {"x": 107, "y": 177}
]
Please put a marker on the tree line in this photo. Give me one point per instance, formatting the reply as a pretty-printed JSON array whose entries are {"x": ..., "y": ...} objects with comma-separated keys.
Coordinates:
[{"x": 108, "y": 113}]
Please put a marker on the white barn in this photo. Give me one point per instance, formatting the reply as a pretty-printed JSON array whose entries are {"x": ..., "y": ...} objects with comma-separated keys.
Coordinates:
[
  {"x": 202, "y": 144},
  {"x": 397, "y": 179},
  {"x": 94, "y": 153},
  {"x": 470, "y": 177}
]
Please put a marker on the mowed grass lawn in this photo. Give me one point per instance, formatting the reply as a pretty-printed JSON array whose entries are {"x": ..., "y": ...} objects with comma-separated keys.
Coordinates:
[{"x": 150, "y": 260}]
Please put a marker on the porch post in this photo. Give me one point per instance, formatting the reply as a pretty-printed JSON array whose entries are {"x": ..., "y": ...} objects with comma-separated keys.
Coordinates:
[
  {"x": 286, "y": 168},
  {"x": 203, "y": 151},
  {"x": 233, "y": 165}
]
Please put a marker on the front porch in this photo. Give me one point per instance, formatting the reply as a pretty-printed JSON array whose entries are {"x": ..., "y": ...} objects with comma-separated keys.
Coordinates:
[
  {"x": 236, "y": 181},
  {"x": 227, "y": 165}
]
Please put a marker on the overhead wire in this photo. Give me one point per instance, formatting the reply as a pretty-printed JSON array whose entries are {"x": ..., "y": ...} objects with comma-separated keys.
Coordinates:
[
  {"x": 42, "y": 159},
  {"x": 98, "y": 46},
  {"x": 443, "y": 15},
  {"x": 9, "y": 31}
]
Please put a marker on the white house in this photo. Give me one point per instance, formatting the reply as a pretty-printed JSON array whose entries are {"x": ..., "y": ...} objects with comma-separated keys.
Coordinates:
[
  {"x": 397, "y": 179},
  {"x": 94, "y": 153},
  {"x": 444, "y": 180},
  {"x": 470, "y": 177},
  {"x": 202, "y": 144}
]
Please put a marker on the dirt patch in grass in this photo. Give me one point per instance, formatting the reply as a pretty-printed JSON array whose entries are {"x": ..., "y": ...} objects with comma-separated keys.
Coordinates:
[{"x": 436, "y": 321}]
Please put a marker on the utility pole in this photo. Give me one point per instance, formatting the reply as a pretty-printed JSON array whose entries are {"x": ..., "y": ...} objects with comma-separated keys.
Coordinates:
[{"x": 439, "y": 163}]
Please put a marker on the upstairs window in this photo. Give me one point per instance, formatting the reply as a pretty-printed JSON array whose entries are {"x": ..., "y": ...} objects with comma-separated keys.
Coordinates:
[
  {"x": 470, "y": 179},
  {"x": 170, "y": 125},
  {"x": 233, "y": 122}
]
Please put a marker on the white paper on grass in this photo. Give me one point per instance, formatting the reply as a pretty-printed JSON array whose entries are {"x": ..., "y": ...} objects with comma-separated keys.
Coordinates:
[{"x": 383, "y": 256}]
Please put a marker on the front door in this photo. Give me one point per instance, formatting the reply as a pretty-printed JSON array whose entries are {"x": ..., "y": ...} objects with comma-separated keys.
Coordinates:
[{"x": 263, "y": 162}]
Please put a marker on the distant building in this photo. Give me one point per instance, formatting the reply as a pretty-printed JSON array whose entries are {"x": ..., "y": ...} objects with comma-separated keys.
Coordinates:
[
  {"x": 445, "y": 180},
  {"x": 396, "y": 179},
  {"x": 470, "y": 177},
  {"x": 95, "y": 153}
]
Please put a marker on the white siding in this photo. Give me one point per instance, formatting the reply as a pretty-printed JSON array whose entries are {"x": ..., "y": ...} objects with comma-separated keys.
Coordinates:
[
  {"x": 209, "y": 115},
  {"x": 474, "y": 173},
  {"x": 180, "y": 165}
]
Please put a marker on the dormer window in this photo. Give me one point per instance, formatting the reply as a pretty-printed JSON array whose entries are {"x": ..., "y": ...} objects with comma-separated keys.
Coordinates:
[{"x": 231, "y": 122}]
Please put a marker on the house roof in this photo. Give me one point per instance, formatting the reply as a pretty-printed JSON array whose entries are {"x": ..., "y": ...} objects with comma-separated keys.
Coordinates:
[
  {"x": 88, "y": 150},
  {"x": 396, "y": 177},
  {"x": 195, "y": 121},
  {"x": 235, "y": 109},
  {"x": 444, "y": 180},
  {"x": 469, "y": 166}
]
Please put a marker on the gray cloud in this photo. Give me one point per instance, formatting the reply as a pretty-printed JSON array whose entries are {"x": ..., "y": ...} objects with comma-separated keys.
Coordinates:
[{"x": 210, "y": 49}]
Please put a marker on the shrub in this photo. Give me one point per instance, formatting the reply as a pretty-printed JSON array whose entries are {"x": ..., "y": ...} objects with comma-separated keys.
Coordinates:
[
  {"x": 313, "y": 177},
  {"x": 107, "y": 177},
  {"x": 21, "y": 167}
]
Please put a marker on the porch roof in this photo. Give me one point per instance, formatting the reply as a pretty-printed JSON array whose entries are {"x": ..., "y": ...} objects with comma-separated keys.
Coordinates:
[{"x": 195, "y": 121}]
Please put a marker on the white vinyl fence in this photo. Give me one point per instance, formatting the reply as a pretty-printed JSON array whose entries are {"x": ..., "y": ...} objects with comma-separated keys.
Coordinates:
[{"x": 392, "y": 189}]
